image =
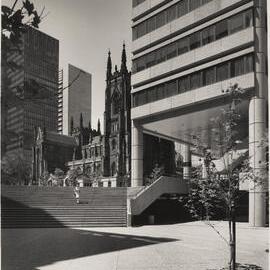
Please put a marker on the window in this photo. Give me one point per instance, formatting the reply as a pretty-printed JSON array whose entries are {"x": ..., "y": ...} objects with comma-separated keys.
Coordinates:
[
  {"x": 195, "y": 80},
  {"x": 160, "y": 55},
  {"x": 152, "y": 94},
  {"x": 171, "y": 13},
  {"x": 171, "y": 50},
  {"x": 150, "y": 59},
  {"x": 183, "y": 46},
  {"x": 142, "y": 98},
  {"x": 141, "y": 29},
  {"x": 195, "y": 40},
  {"x": 170, "y": 89},
  {"x": 208, "y": 35},
  {"x": 113, "y": 144},
  {"x": 222, "y": 72},
  {"x": 151, "y": 24},
  {"x": 221, "y": 29},
  {"x": 182, "y": 8},
  {"x": 209, "y": 76},
  {"x": 205, "y": 2},
  {"x": 184, "y": 84},
  {"x": 160, "y": 19},
  {"x": 237, "y": 67},
  {"x": 248, "y": 18},
  {"x": 134, "y": 33},
  {"x": 113, "y": 170},
  {"x": 136, "y": 2},
  {"x": 115, "y": 105},
  {"x": 160, "y": 91},
  {"x": 140, "y": 64},
  {"x": 236, "y": 23},
  {"x": 249, "y": 63},
  {"x": 193, "y": 4}
]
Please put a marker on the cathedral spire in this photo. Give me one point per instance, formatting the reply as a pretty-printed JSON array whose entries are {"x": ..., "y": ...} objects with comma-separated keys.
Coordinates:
[
  {"x": 109, "y": 65},
  {"x": 81, "y": 120},
  {"x": 71, "y": 125},
  {"x": 124, "y": 58},
  {"x": 98, "y": 127}
]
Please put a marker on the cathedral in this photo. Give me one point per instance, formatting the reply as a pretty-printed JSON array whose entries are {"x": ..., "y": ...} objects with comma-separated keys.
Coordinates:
[
  {"x": 104, "y": 159},
  {"x": 117, "y": 124}
]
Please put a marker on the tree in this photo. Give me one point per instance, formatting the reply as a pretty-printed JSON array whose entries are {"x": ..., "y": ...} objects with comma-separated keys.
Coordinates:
[
  {"x": 212, "y": 189},
  {"x": 15, "y": 170},
  {"x": 15, "y": 20}
]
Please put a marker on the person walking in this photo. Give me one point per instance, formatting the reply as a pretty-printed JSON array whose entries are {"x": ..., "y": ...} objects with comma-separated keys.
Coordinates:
[{"x": 77, "y": 193}]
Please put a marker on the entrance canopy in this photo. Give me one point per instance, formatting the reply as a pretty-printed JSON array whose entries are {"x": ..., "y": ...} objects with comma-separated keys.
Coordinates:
[{"x": 186, "y": 124}]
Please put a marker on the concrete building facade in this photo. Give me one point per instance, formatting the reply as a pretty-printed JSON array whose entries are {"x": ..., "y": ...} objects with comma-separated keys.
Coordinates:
[{"x": 185, "y": 54}]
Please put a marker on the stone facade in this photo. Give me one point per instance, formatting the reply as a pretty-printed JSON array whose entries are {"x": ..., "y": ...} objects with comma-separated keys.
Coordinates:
[
  {"x": 117, "y": 129},
  {"x": 50, "y": 151}
]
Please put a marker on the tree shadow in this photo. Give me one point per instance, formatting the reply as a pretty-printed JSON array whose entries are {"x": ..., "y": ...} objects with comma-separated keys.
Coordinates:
[
  {"x": 12, "y": 213},
  {"x": 31, "y": 248},
  {"x": 240, "y": 266}
]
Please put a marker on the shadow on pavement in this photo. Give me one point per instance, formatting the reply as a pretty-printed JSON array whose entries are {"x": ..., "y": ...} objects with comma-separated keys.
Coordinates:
[
  {"x": 240, "y": 266},
  {"x": 29, "y": 249}
]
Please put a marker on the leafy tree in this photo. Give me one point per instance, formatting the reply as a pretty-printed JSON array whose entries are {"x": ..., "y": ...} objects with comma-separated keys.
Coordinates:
[
  {"x": 43, "y": 180},
  {"x": 212, "y": 189},
  {"x": 15, "y": 170},
  {"x": 15, "y": 20}
]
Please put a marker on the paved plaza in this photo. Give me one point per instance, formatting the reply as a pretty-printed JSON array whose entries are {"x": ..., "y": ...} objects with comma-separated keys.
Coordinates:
[{"x": 185, "y": 246}]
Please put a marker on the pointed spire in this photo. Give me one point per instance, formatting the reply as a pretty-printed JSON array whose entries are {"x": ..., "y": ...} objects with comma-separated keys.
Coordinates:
[
  {"x": 124, "y": 58},
  {"x": 71, "y": 125},
  {"x": 109, "y": 65},
  {"x": 98, "y": 127},
  {"x": 81, "y": 120},
  {"x": 89, "y": 126}
]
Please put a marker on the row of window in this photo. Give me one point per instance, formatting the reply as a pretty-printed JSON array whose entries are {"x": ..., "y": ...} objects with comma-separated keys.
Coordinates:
[
  {"x": 198, "y": 39},
  {"x": 137, "y": 2},
  {"x": 165, "y": 16},
  {"x": 92, "y": 152},
  {"x": 226, "y": 70}
]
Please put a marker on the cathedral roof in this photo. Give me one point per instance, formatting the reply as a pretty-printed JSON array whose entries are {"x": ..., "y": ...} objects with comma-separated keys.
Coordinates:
[{"x": 60, "y": 138}]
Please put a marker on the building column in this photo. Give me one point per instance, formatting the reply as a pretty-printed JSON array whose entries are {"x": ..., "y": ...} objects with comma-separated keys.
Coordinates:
[
  {"x": 136, "y": 156},
  {"x": 257, "y": 155},
  {"x": 186, "y": 162},
  {"x": 257, "y": 119}
]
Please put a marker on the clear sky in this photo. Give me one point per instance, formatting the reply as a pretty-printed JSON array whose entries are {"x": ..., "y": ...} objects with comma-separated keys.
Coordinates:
[{"x": 86, "y": 30}]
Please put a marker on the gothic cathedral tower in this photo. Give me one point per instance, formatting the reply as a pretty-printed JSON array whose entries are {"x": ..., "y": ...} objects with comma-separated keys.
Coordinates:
[{"x": 117, "y": 122}]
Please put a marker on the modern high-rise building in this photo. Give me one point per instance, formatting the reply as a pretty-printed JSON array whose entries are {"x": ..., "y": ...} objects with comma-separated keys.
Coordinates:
[
  {"x": 185, "y": 54},
  {"x": 34, "y": 80},
  {"x": 77, "y": 99}
]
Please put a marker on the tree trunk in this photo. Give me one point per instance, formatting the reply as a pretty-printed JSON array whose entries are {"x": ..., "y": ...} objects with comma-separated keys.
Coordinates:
[{"x": 232, "y": 232}]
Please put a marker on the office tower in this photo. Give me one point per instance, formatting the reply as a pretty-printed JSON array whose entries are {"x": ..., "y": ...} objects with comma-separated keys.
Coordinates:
[
  {"x": 186, "y": 54},
  {"x": 77, "y": 99},
  {"x": 34, "y": 79}
]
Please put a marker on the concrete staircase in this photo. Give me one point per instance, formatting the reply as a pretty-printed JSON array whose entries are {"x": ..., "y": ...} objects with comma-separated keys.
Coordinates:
[
  {"x": 33, "y": 206},
  {"x": 145, "y": 196}
]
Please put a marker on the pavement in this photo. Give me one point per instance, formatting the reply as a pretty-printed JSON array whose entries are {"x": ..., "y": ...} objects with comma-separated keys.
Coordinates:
[{"x": 186, "y": 246}]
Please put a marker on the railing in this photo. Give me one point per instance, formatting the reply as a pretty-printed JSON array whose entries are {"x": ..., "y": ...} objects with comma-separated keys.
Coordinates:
[{"x": 149, "y": 194}]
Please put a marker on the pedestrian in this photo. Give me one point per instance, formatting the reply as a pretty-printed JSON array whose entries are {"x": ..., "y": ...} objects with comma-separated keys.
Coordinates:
[{"x": 77, "y": 193}]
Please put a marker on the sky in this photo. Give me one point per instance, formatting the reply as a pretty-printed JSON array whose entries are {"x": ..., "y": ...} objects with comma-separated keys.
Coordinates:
[{"x": 86, "y": 30}]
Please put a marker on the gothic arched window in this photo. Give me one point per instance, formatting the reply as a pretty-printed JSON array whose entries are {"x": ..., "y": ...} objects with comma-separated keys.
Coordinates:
[
  {"x": 113, "y": 169},
  {"x": 113, "y": 144},
  {"x": 115, "y": 103}
]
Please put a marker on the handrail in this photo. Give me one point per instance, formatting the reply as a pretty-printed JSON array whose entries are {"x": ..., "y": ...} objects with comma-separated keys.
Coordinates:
[{"x": 149, "y": 194}]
